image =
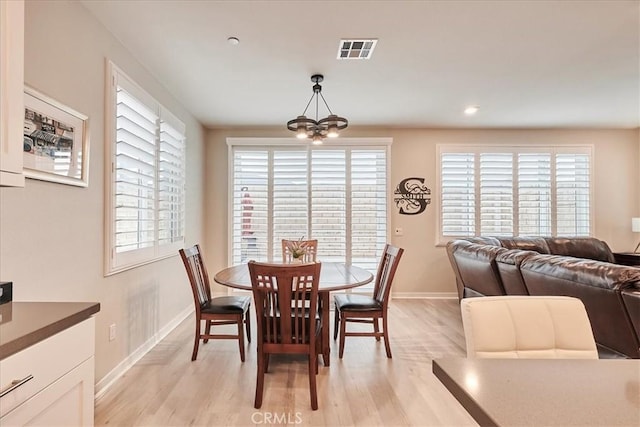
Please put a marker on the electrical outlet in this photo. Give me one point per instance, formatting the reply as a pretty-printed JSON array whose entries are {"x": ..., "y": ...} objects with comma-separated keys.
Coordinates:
[{"x": 112, "y": 332}]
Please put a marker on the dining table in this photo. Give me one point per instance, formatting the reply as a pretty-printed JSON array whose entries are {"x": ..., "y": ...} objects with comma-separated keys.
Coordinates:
[{"x": 334, "y": 276}]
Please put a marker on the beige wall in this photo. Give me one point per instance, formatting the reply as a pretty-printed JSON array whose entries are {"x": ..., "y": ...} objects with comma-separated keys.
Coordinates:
[
  {"x": 425, "y": 268},
  {"x": 51, "y": 235}
]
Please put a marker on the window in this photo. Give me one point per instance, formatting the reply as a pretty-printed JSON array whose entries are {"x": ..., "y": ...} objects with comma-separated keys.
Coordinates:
[
  {"x": 515, "y": 191},
  {"x": 146, "y": 177},
  {"x": 337, "y": 194}
]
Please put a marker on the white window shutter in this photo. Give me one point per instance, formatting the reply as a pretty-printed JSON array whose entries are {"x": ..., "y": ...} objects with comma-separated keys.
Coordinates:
[
  {"x": 329, "y": 203},
  {"x": 135, "y": 169},
  {"x": 573, "y": 194},
  {"x": 337, "y": 195},
  {"x": 458, "y": 205},
  {"x": 530, "y": 190},
  {"x": 146, "y": 207},
  {"x": 171, "y": 181},
  {"x": 290, "y": 197},
  {"x": 534, "y": 191},
  {"x": 251, "y": 187},
  {"x": 369, "y": 201},
  {"x": 496, "y": 194}
]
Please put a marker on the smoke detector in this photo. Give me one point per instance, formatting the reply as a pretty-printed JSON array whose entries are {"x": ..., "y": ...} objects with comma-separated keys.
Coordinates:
[{"x": 356, "y": 48}]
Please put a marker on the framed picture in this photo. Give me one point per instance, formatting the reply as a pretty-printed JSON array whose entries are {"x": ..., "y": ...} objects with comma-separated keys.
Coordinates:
[{"x": 56, "y": 141}]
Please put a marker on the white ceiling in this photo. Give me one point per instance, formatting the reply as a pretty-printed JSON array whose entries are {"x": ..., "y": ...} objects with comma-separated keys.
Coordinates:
[{"x": 525, "y": 63}]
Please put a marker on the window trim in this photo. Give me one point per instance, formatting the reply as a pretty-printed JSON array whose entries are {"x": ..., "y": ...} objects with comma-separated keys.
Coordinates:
[
  {"x": 138, "y": 257},
  {"x": 376, "y": 142},
  {"x": 587, "y": 149}
]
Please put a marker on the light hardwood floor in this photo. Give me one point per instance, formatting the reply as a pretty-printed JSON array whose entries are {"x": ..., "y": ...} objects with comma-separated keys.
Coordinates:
[{"x": 364, "y": 388}]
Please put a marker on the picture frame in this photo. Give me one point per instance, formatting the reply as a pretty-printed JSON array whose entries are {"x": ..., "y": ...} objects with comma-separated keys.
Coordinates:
[{"x": 55, "y": 141}]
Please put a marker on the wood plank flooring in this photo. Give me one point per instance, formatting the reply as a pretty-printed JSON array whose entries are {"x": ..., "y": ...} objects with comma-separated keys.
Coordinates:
[{"x": 363, "y": 389}]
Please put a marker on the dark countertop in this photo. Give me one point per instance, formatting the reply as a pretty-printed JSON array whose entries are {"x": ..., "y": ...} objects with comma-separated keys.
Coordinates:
[{"x": 23, "y": 324}]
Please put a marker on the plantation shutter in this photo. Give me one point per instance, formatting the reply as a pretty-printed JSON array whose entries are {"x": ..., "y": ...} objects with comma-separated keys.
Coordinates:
[
  {"x": 329, "y": 203},
  {"x": 534, "y": 191},
  {"x": 171, "y": 180},
  {"x": 572, "y": 187},
  {"x": 520, "y": 191},
  {"x": 146, "y": 207},
  {"x": 457, "y": 183},
  {"x": 368, "y": 206},
  {"x": 250, "y": 205},
  {"x": 135, "y": 171},
  {"x": 337, "y": 195},
  {"x": 496, "y": 194},
  {"x": 290, "y": 200}
]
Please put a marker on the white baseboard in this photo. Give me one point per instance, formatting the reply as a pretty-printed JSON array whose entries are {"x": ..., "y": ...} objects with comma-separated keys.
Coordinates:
[
  {"x": 424, "y": 295},
  {"x": 107, "y": 381}
]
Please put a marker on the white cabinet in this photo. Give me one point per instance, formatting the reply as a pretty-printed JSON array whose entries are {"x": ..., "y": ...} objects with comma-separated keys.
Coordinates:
[
  {"x": 11, "y": 92},
  {"x": 61, "y": 390}
]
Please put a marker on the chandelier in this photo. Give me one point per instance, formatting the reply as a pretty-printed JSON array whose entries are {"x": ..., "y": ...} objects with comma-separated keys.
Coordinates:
[{"x": 317, "y": 130}]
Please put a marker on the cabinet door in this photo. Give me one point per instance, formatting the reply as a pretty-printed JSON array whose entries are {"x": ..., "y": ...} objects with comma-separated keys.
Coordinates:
[
  {"x": 66, "y": 402},
  {"x": 11, "y": 92}
]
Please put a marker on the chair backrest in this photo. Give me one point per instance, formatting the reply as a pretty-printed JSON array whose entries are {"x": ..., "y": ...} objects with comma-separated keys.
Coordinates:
[
  {"x": 310, "y": 250},
  {"x": 286, "y": 301},
  {"x": 528, "y": 327},
  {"x": 386, "y": 271},
  {"x": 198, "y": 277}
]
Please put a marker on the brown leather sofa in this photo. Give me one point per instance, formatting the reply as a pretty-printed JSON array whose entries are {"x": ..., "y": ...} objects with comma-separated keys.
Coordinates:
[{"x": 581, "y": 267}]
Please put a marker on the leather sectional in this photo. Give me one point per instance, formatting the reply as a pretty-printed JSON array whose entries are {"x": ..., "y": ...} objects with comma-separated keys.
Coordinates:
[{"x": 582, "y": 267}]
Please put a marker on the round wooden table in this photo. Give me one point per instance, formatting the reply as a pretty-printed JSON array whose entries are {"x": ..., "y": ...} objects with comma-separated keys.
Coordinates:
[{"x": 334, "y": 276}]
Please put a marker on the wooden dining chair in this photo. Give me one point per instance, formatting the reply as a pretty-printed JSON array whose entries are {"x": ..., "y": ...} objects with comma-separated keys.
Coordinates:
[
  {"x": 310, "y": 250},
  {"x": 286, "y": 328},
  {"x": 226, "y": 310},
  {"x": 369, "y": 309}
]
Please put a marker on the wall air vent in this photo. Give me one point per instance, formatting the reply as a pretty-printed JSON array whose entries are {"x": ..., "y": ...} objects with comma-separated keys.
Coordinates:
[{"x": 356, "y": 48}]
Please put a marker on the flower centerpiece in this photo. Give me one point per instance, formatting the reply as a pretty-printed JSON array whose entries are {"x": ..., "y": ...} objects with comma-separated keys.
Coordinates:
[{"x": 297, "y": 249}]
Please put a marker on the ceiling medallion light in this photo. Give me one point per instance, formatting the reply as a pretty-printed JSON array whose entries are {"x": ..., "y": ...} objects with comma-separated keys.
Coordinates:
[{"x": 317, "y": 130}]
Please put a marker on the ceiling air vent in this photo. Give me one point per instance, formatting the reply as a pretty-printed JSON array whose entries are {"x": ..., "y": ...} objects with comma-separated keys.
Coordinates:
[{"x": 356, "y": 48}]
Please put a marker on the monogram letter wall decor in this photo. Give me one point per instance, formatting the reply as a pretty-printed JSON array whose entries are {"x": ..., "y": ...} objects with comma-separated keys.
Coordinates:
[{"x": 412, "y": 196}]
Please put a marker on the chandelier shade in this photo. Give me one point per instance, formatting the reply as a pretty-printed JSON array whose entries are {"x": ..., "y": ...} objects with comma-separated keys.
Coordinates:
[{"x": 317, "y": 129}]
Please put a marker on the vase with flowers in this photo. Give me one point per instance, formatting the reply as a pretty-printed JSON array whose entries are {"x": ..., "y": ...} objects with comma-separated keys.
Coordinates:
[{"x": 297, "y": 249}]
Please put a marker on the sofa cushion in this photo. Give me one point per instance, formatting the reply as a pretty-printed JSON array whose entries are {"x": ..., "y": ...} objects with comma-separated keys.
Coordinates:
[
  {"x": 598, "y": 284},
  {"x": 537, "y": 244},
  {"x": 477, "y": 266},
  {"x": 493, "y": 241},
  {"x": 580, "y": 247},
  {"x": 584, "y": 272},
  {"x": 508, "y": 264}
]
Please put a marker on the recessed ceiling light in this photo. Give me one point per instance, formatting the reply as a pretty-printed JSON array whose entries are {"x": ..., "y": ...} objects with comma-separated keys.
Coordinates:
[
  {"x": 471, "y": 110},
  {"x": 233, "y": 41}
]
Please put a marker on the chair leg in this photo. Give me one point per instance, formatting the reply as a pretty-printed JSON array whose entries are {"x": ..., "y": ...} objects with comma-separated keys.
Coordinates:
[
  {"x": 260, "y": 379},
  {"x": 343, "y": 330},
  {"x": 247, "y": 321},
  {"x": 196, "y": 343},
  {"x": 241, "y": 337},
  {"x": 385, "y": 334},
  {"x": 376, "y": 328},
  {"x": 267, "y": 357},
  {"x": 207, "y": 331},
  {"x": 313, "y": 364},
  {"x": 336, "y": 322}
]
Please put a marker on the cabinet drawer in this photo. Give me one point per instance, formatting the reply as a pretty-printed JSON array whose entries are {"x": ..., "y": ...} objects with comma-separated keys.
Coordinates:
[
  {"x": 46, "y": 361},
  {"x": 66, "y": 402}
]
